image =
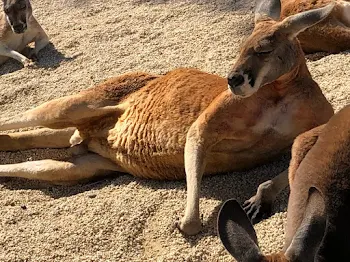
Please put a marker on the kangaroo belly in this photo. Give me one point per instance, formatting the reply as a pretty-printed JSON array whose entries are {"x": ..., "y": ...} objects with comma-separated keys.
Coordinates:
[
  {"x": 148, "y": 139},
  {"x": 163, "y": 158}
]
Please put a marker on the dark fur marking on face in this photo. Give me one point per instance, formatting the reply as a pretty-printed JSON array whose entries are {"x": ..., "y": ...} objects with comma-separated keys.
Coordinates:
[{"x": 17, "y": 13}]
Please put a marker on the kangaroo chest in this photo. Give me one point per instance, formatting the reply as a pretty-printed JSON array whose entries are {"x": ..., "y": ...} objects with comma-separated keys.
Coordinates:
[
  {"x": 278, "y": 119},
  {"x": 18, "y": 41}
]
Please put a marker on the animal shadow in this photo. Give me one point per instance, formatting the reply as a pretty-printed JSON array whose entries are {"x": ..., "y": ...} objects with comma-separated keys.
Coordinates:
[
  {"x": 238, "y": 185},
  {"x": 316, "y": 56},
  {"x": 48, "y": 57},
  {"x": 241, "y": 186},
  {"x": 320, "y": 55}
]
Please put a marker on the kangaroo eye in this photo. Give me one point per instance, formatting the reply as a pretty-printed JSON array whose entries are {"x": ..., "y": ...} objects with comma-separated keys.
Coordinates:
[
  {"x": 22, "y": 6},
  {"x": 261, "y": 53}
]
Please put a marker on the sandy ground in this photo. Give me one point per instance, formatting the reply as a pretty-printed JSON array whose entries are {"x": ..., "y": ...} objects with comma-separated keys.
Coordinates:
[{"x": 122, "y": 218}]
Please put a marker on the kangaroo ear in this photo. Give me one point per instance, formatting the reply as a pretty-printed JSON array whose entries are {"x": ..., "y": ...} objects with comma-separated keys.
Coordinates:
[
  {"x": 237, "y": 233},
  {"x": 267, "y": 9},
  {"x": 309, "y": 235},
  {"x": 297, "y": 23}
]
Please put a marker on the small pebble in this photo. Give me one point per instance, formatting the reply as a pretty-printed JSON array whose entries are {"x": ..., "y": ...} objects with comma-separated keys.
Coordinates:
[{"x": 92, "y": 195}]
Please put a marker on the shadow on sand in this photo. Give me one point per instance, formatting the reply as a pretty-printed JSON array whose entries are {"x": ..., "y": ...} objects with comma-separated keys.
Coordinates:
[
  {"x": 239, "y": 185},
  {"x": 49, "y": 57}
]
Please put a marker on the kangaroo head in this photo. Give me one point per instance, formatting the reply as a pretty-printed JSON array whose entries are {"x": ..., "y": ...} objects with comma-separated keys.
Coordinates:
[
  {"x": 272, "y": 49},
  {"x": 17, "y": 14}
]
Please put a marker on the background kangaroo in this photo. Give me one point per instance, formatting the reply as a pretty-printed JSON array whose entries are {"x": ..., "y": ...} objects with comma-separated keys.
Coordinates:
[
  {"x": 157, "y": 127},
  {"x": 331, "y": 35},
  {"x": 319, "y": 203},
  {"x": 18, "y": 28}
]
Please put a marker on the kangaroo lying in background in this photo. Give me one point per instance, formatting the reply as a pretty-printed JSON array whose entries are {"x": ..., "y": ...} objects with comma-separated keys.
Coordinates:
[
  {"x": 319, "y": 204},
  {"x": 18, "y": 28},
  {"x": 186, "y": 122},
  {"x": 331, "y": 35}
]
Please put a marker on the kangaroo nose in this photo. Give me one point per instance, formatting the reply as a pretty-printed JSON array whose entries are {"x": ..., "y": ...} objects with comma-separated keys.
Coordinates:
[
  {"x": 235, "y": 79},
  {"x": 17, "y": 27}
]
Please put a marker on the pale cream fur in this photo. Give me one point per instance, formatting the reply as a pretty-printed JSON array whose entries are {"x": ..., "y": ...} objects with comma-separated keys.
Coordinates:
[{"x": 11, "y": 43}]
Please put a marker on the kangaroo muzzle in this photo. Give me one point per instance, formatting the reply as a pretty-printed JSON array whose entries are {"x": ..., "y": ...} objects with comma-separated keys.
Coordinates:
[{"x": 241, "y": 84}]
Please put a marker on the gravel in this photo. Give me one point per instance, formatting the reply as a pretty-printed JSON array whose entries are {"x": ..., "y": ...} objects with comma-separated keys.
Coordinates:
[{"x": 122, "y": 218}]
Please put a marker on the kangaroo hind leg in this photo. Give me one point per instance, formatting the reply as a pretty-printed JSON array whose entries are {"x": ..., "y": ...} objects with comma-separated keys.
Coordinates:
[
  {"x": 39, "y": 138},
  {"x": 59, "y": 113},
  {"x": 72, "y": 171},
  {"x": 75, "y": 110}
]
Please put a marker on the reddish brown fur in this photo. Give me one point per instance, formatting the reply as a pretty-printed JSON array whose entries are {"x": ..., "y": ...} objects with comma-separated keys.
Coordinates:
[
  {"x": 301, "y": 146},
  {"x": 118, "y": 88},
  {"x": 275, "y": 51},
  {"x": 331, "y": 35},
  {"x": 320, "y": 159},
  {"x": 279, "y": 257},
  {"x": 187, "y": 120},
  {"x": 319, "y": 203}
]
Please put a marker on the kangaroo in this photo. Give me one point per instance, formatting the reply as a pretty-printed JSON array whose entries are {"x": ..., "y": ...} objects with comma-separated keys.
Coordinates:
[
  {"x": 18, "y": 28},
  {"x": 319, "y": 204},
  {"x": 332, "y": 35},
  {"x": 186, "y": 123}
]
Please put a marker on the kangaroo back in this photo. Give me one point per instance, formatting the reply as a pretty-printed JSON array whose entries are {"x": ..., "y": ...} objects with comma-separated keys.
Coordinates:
[{"x": 118, "y": 88}]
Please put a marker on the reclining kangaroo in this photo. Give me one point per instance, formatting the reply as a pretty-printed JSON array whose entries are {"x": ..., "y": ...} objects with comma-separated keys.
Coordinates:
[
  {"x": 186, "y": 122},
  {"x": 319, "y": 204},
  {"x": 18, "y": 28},
  {"x": 331, "y": 35}
]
